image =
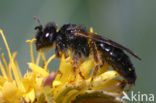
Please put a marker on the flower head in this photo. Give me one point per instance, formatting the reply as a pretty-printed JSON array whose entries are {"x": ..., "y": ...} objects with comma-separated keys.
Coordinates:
[{"x": 62, "y": 86}]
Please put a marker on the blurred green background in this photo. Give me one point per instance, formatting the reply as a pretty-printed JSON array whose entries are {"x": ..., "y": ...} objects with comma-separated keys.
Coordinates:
[{"x": 129, "y": 22}]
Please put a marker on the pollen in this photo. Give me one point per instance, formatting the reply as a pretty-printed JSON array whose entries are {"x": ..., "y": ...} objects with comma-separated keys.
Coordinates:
[
  {"x": 91, "y": 29},
  {"x": 40, "y": 85},
  {"x": 130, "y": 69}
]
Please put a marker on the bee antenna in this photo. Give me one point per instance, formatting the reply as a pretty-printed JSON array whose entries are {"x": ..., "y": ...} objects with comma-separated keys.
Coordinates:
[{"x": 37, "y": 20}]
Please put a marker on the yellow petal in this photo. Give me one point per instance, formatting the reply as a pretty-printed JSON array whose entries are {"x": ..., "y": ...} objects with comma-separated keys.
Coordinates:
[
  {"x": 56, "y": 83},
  {"x": 63, "y": 93},
  {"x": 30, "y": 96},
  {"x": 38, "y": 70},
  {"x": 111, "y": 86},
  {"x": 86, "y": 67},
  {"x": 2, "y": 80},
  {"x": 28, "y": 81},
  {"x": 103, "y": 78},
  {"x": 65, "y": 73},
  {"x": 10, "y": 92},
  {"x": 103, "y": 69}
]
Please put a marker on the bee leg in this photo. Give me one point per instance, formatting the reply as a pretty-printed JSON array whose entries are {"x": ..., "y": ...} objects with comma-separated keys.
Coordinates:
[
  {"x": 76, "y": 63},
  {"x": 129, "y": 88},
  {"x": 59, "y": 72},
  {"x": 74, "y": 70},
  {"x": 94, "y": 73},
  {"x": 96, "y": 59},
  {"x": 57, "y": 52},
  {"x": 60, "y": 49},
  {"x": 80, "y": 73},
  {"x": 77, "y": 70},
  {"x": 93, "y": 76},
  {"x": 75, "y": 66}
]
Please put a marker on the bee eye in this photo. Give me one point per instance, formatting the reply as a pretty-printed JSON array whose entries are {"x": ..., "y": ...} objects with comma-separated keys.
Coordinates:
[{"x": 47, "y": 35}]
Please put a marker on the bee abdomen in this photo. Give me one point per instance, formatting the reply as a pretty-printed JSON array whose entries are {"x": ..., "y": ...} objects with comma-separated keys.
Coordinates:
[{"x": 120, "y": 62}]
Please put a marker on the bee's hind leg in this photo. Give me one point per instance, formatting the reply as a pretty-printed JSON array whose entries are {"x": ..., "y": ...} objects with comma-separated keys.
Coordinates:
[{"x": 94, "y": 74}]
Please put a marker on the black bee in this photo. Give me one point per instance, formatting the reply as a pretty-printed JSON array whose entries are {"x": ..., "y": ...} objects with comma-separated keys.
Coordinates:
[{"x": 84, "y": 44}]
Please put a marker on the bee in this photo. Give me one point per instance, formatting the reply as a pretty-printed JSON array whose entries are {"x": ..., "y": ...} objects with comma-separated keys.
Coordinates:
[{"x": 84, "y": 44}]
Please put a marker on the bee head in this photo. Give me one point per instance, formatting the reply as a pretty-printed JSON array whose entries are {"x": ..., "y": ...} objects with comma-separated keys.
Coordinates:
[{"x": 45, "y": 37}]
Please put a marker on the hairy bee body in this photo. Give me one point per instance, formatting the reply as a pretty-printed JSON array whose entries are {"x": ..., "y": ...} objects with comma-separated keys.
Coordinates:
[
  {"x": 117, "y": 59},
  {"x": 78, "y": 46},
  {"x": 84, "y": 46}
]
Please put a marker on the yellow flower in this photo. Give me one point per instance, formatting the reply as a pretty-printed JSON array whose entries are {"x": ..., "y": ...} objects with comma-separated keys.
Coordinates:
[{"x": 38, "y": 85}]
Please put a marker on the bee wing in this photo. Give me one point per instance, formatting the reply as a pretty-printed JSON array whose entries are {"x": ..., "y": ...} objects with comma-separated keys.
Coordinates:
[{"x": 101, "y": 39}]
